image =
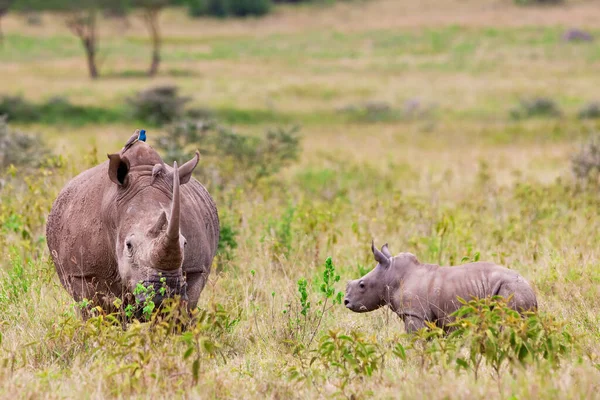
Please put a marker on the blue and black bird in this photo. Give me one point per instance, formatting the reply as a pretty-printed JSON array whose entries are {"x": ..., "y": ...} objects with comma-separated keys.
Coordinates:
[{"x": 137, "y": 135}]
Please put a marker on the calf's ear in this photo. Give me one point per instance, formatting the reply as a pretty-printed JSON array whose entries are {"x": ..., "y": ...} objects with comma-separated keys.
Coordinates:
[
  {"x": 379, "y": 256},
  {"x": 386, "y": 251},
  {"x": 118, "y": 169}
]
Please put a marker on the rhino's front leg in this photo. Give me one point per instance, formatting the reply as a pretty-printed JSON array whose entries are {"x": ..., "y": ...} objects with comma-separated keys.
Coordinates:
[{"x": 413, "y": 323}]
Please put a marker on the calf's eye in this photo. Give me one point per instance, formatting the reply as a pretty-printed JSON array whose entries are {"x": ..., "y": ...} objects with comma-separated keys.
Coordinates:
[{"x": 361, "y": 285}]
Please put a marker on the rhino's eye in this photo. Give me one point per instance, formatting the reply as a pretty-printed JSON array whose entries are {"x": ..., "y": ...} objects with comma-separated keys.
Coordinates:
[
  {"x": 361, "y": 284},
  {"x": 129, "y": 245}
]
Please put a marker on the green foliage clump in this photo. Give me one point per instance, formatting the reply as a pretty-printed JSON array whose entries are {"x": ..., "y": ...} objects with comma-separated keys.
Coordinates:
[
  {"x": 345, "y": 357},
  {"x": 158, "y": 105},
  {"x": 590, "y": 111},
  {"x": 230, "y": 158},
  {"x": 20, "y": 149},
  {"x": 540, "y": 107},
  {"x": 174, "y": 341},
  {"x": 229, "y": 8},
  {"x": 304, "y": 320},
  {"x": 55, "y": 110},
  {"x": 493, "y": 331},
  {"x": 488, "y": 331}
]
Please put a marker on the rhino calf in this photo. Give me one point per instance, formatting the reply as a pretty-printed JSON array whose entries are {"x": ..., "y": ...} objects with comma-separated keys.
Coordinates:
[{"x": 424, "y": 292}]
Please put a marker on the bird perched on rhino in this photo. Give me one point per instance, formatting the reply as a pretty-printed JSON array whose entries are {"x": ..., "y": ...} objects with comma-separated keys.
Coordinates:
[{"x": 137, "y": 135}]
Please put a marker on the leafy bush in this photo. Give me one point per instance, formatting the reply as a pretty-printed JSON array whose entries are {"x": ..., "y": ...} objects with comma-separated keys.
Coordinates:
[
  {"x": 229, "y": 8},
  {"x": 537, "y": 107},
  {"x": 20, "y": 149},
  {"x": 158, "y": 105},
  {"x": 587, "y": 160},
  {"x": 590, "y": 111},
  {"x": 489, "y": 331},
  {"x": 18, "y": 109},
  {"x": 492, "y": 330},
  {"x": 347, "y": 356},
  {"x": 229, "y": 157},
  {"x": 57, "y": 109}
]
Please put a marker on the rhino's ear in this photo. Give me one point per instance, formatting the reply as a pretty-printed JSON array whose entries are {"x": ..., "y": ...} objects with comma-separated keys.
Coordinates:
[
  {"x": 379, "y": 256},
  {"x": 157, "y": 171},
  {"x": 386, "y": 251},
  {"x": 185, "y": 171},
  {"x": 118, "y": 169}
]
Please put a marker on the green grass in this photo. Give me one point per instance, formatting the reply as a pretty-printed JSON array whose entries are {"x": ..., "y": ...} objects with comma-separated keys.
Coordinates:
[{"x": 460, "y": 181}]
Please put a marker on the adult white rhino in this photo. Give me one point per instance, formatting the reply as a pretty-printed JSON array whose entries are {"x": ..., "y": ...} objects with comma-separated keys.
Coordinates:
[{"x": 128, "y": 221}]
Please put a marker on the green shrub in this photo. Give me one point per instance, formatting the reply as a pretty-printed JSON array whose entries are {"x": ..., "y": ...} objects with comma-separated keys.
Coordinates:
[
  {"x": 494, "y": 332},
  {"x": 590, "y": 111},
  {"x": 57, "y": 109},
  {"x": 20, "y": 149},
  {"x": 230, "y": 158},
  {"x": 18, "y": 109},
  {"x": 158, "y": 105},
  {"x": 537, "y": 107},
  {"x": 228, "y": 8},
  {"x": 489, "y": 331}
]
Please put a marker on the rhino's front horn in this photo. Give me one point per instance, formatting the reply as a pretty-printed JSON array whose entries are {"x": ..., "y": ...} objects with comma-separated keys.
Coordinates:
[
  {"x": 168, "y": 254},
  {"x": 173, "y": 229}
]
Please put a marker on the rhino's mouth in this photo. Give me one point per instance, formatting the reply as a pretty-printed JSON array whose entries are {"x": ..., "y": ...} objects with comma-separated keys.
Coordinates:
[
  {"x": 161, "y": 287},
  {"x": 359, "y": 308}
]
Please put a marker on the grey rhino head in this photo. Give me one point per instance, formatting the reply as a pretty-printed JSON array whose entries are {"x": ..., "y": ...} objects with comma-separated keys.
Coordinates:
[
  {"x": 377, "y": 288},
  {"x": 149, "y": 246}
]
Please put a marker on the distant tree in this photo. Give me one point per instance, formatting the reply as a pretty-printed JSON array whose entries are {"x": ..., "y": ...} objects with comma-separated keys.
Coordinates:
[
  {"x": 151, "y": 11},
  {"x": 81, "y": 17},
  {"x": 4, "y": 7}
]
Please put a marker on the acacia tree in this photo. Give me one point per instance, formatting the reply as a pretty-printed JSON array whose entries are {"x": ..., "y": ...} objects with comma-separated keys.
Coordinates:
[
  {"x": 82, "y": 22},
  {"x": 150, "y": 12},
  {"x": 81, "y": 17},
  {"x": 4, "y": 7}
]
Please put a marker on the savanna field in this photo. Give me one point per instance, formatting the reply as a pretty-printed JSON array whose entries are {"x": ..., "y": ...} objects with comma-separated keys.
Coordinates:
[{"x": 451, "y": 129}]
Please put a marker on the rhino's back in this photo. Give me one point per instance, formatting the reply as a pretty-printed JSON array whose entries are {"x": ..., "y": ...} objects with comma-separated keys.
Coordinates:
[
  {"x": 75, "y": 231},
  {"x": 477, "y": 280}
]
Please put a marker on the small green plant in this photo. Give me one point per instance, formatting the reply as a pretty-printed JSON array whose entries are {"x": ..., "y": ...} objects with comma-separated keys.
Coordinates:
[
  {"x": 345, "y": 356},
  {"x": 303, "y": 322},
  {"x": 281, "y": 234}
]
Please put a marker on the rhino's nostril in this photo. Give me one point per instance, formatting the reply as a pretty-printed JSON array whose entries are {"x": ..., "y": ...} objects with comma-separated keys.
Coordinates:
[{"x": 346, "y": 302}]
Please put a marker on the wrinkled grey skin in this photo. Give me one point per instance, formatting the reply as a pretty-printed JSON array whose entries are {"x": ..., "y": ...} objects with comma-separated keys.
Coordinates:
[
  {"x": 133, "y": 219},
  {"x": 425, "y": 292}
]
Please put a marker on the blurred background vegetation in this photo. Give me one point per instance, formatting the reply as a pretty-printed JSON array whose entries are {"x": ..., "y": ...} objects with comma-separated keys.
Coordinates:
[{"x": 458, "y": 130}]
